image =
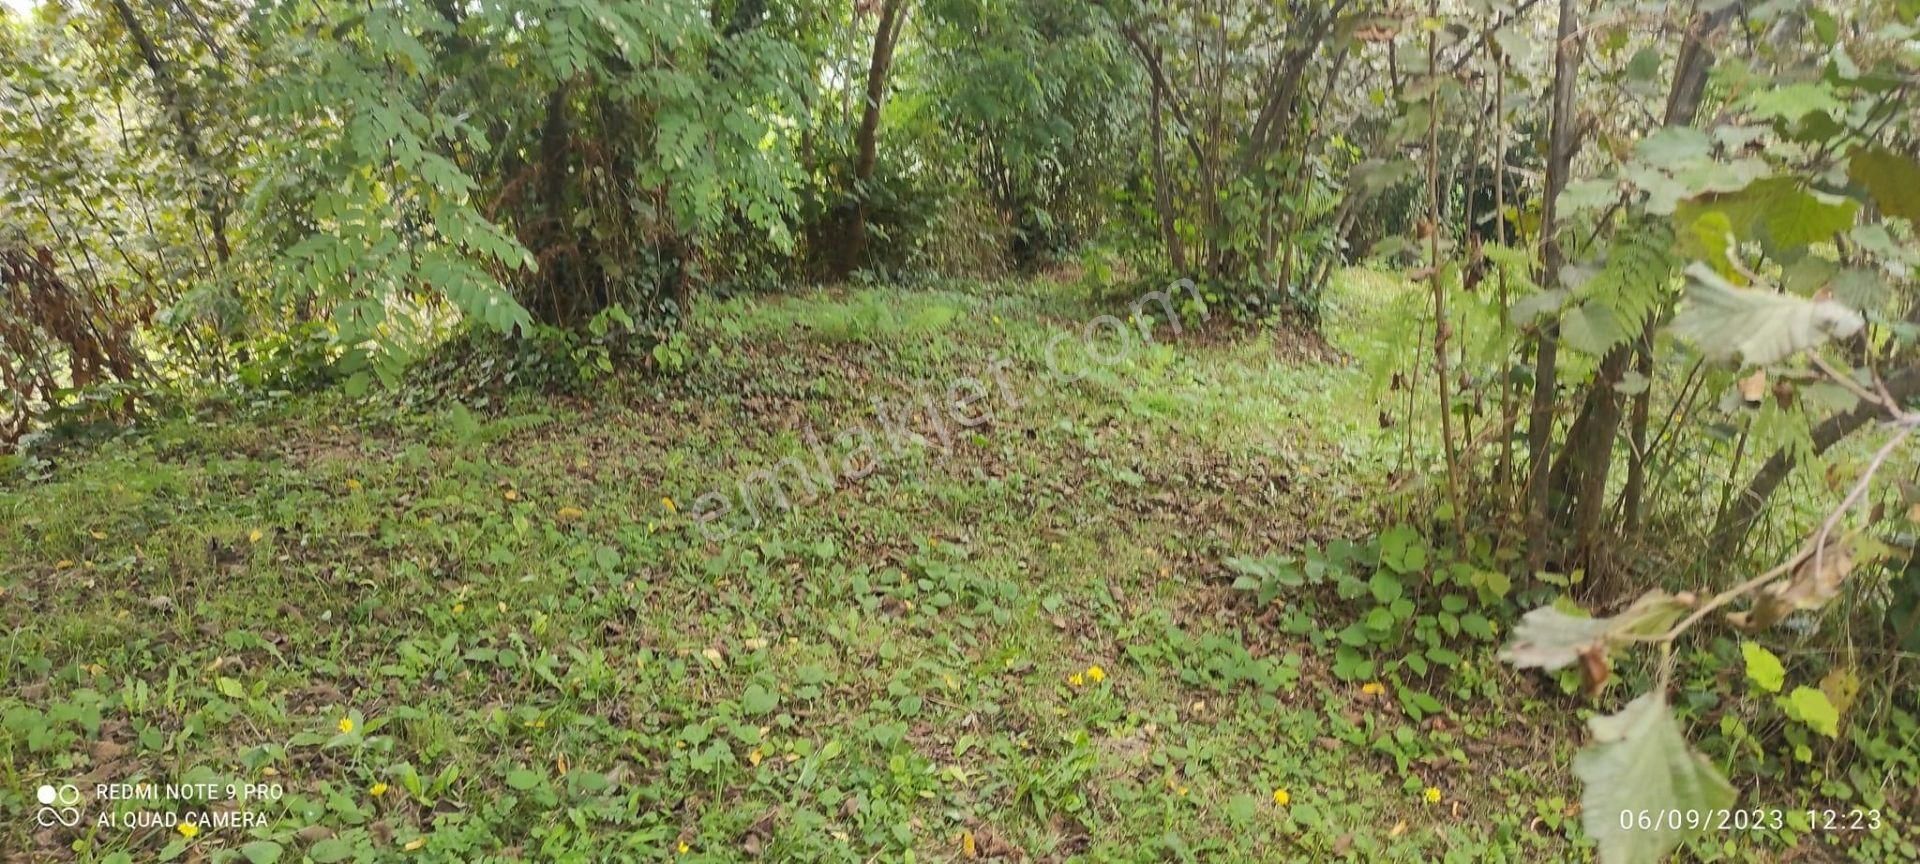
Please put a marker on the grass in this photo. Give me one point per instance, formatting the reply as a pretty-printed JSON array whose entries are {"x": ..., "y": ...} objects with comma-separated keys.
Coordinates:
[{"x": 502, "y": 634}]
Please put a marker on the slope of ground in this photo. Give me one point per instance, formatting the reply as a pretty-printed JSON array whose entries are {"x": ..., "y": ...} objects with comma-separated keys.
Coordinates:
[{"x": 503, "y": 631}]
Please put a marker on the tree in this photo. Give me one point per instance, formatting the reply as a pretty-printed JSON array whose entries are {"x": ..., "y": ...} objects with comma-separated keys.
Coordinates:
[
  {"x": 886, "y": 36},
  {"x": 1235, "y": 85}
]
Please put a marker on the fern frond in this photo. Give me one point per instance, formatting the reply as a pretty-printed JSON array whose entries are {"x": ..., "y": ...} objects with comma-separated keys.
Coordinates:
[{"x": 1639, "y": 280}]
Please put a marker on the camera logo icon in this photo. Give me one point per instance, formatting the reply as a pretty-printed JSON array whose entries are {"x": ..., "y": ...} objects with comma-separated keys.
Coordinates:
[{"x": 58, "y": 806}]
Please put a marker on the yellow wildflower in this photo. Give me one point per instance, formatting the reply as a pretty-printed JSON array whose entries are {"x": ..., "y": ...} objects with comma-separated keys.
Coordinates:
[
  {"x": 1077, "y": 679},
  {"x": 353, "y": 485},
  {"x": 668, "y": 503},
  {"x": 377, "y": 789},
  {"x": 684, "y": 848},
  {"x": 1433, "y": 794},
  {"x": 1281, "y": 798},
  {"x": 1096, "y": 674},
  {"x": 346, "y": 724},
  {"x": 1373, "y": 688},
  {"x": 187, "y": 830}
]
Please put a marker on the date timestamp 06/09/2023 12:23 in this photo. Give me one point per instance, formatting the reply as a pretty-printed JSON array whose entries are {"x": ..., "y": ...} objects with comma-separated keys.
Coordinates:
[{"x": 1751, "y": 819}]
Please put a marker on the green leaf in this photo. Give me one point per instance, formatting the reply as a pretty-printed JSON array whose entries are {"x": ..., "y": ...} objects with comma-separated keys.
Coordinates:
[
  {"x": 1893, "y": 181},
  {"x": 331, "y": 850},
  {"x": 1385, "y": 586},
  {"x": 522, "y": 779},
  {"x": 1591, "y": 328},
  {"x": 1757, "y": 328},
  {"x": 1550, "y": 638},
  {"x": 1639, "y": 761},
  {"x": 1402, "y": 550},
  {"x": 1812, "y": 707},
  {"x": 1537, "y": 305},
  {"x": 229, "y": 688},
  {"x": 1644, "y": 66},
  {"x": 1779, "y": 213},
  {"x": 262, "y": 852},
  {"x": 1763, "y": 667},
  {"x": 1674, "y": 144},
  {"x": 758, "y": 700},
  {"x": 1241, "y": 808},
  {"x": 1493, "y": 582},
  {"x": 1374, "y": 176},
  {"x": 1586, "y": 196},
  {"x": 1795, "y": 101},
  {"x": 1707, "y": 238}
]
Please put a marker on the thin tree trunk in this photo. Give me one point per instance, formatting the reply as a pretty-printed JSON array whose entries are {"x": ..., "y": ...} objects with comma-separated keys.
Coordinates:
[
  {"x": 1683, "y": 102},
  {"x": 1269, "y": 127},
  {"x": 1566, "y": 65},
  {"x": 1739, "y": 516},
  {"x": 1503, "y": 470},
  {"x": 1295, "y": 186},
  {"x": 175, "y": 104},
  {"x": 1162, "y": 193},
  {"x": 866, "y": 143},
  {"x": 1441, "y": 329},
  {"x": 1591, "y": 440},
  {"x": 1739, "y": 453},
  {"x": 558, "y": 276},
  {"x": 1637, "y": 437}
]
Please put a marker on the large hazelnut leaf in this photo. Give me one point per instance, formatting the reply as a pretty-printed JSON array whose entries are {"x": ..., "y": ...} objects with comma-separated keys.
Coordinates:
[
  {"x": 1639, "y": 762},
  {"x": 1755, "y": 327},
  {"x": 1550, "y": 638}
]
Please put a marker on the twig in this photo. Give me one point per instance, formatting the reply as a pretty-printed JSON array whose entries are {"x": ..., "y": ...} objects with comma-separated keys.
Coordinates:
[
  {"x": 1813, "y": 549},
  {"x": 1881, "y": 399},
  {"x": 1731, "y": 594},
  {"x": 1905, "y": 424}
]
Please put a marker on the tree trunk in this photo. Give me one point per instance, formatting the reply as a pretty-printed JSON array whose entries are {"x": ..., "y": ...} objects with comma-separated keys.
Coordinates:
[
  {"x": 1559, "y": 158},
  {"x": 866, "y": 143},
  {"x": 1590, "y": 444},
  {"x": 174, "y": 102},
  {"x": 1271, "y": 125},
  {"x": 1637, "y": 436},
  {"x": 562, "y": 273},
  {"x": 1744, "y": 511},
  {"x": 1441, "y": 329},
  {"x": 1503, "y": 470},
  {"x": 1690, "y": 80},
  {"x": 1162, "y": 193}
]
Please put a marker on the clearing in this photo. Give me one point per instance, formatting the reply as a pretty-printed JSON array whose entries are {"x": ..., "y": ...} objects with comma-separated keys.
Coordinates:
[{"x": 499, "y": 631}]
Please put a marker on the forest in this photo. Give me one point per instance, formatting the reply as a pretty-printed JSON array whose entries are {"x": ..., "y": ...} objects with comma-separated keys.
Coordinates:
[{"x": 953, "y": 430}]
